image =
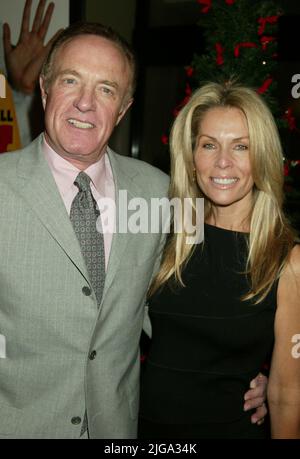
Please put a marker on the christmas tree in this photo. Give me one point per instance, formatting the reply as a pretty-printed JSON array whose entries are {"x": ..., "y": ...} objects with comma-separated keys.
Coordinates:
[
  {"x": 241, "y": 38},
  {"x": 240, "y": 42}
]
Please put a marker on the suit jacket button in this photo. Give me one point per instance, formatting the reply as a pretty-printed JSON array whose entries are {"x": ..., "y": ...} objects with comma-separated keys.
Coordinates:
[
  {"x": 93, "y": 355},
  {"x": 86, "y": 291},
  {"x": 76, "y": 421}
]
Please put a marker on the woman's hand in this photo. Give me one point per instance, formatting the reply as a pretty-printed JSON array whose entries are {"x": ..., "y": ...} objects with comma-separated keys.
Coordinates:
[{"x": 24, "y": 61}]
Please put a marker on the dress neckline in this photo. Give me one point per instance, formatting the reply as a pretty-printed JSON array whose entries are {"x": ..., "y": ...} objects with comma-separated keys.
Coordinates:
[{"x": 219, "y": 228}]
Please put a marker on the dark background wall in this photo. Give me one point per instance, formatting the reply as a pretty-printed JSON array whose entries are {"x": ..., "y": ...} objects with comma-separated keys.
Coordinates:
[{"x": 165, "y": 36}]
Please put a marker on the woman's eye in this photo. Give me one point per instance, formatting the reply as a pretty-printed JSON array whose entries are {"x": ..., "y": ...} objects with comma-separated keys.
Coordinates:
[
  {"x": 208, "y": 146},
  {"x": 241, "y": 147}
]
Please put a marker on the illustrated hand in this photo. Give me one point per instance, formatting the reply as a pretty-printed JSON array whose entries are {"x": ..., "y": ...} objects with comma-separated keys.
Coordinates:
[
  {"x": 256, "y": 397},
  {"x": 24, "y": 61}
]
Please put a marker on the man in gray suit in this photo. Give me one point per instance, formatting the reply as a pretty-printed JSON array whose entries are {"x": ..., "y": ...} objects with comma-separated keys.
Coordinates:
[{"x": 69, "y": 362}]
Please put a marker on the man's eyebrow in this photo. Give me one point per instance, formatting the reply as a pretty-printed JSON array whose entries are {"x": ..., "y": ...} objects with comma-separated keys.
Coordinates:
[
  {"x": 63, "y": 72},
  {"x": 68, "y": 72},
  {"x": 114, "y": 84}
]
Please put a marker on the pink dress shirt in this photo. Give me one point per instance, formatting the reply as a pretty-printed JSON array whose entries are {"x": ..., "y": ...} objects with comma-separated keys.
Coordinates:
[{"x": 102, "y": 184}]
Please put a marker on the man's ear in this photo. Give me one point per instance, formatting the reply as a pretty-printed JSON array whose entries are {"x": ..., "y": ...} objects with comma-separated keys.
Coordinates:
[
  {"x": 43, "y": 91},
  {"x": 124, "y": 109}
]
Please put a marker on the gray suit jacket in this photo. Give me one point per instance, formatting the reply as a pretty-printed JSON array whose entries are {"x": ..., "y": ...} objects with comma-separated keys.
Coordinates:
[{"x": 50, "y": 328}]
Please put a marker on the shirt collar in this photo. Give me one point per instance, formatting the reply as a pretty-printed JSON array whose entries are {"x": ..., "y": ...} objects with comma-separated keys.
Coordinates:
[{"x": 65, "y": 172}]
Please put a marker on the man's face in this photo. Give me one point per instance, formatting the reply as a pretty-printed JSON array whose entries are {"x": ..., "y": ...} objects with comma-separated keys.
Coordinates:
[{"x": 87, "y": 96}]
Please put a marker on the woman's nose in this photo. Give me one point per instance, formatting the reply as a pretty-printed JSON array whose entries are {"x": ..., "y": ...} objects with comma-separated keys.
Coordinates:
[{"x": 223, "y": 159}]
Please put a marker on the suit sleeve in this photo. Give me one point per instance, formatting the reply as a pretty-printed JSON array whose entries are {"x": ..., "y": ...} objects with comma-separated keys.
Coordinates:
[{"x": 147, "y": 323}]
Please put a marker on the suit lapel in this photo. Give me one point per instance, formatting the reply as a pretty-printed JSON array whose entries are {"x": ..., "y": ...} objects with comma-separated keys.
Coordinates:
[
  {"x": 42, "y": 195},
  {"x": 123, "y": 180}
]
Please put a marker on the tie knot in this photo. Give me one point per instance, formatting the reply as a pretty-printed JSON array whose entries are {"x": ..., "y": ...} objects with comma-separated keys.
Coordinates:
[{"x": 82, "y": 181}]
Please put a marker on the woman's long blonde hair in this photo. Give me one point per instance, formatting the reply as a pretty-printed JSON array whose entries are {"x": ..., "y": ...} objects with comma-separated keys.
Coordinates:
[{"x": 271, "y": 238}]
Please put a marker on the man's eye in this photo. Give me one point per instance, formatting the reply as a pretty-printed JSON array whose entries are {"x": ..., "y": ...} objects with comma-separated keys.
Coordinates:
[
  {"x": 69, "y": 81},
  {"x": 107, "y": 90}
]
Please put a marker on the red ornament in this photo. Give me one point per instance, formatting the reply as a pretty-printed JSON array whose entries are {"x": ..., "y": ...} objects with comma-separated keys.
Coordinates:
[
  {"x": 176, "y": 112},
  {"x": 265, "y": 86},
  {"x": 207, "y": 5},
  {"x": 188, "y": 90},
  {"x": 220, "y": 51},
  {"x": 230, "y": 2},
  {"x": 286, "y": 170},
  {"x": 246, "y": 44},
  {"x": 185, "y": 100},
  {"x": 290, "y": 119},
  {"x": 265, "y": 41},
  {"x": 177, "y": 109},
  {"x": 263, "y": 22},
  {"x": 189, "y": 71},
  {"x": 165, "y": 139}
]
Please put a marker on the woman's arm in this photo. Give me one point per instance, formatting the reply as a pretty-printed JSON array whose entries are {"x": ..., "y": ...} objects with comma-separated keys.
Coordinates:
[{"x": 284, "y": 381}]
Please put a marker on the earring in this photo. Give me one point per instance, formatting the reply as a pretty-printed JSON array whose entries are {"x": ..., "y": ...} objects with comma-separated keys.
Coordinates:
[{"x": 194, "y": 175}]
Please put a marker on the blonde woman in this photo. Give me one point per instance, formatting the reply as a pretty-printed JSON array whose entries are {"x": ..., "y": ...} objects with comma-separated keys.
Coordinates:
[{"x": 222, "y": 309}]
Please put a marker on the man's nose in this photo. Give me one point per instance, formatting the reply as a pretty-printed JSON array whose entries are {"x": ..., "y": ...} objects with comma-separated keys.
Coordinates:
[{"x": 85, "y": 100}]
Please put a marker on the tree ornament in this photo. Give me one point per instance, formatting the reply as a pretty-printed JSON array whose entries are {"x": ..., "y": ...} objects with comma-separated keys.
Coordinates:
[
  {"x": 263, "y": 22},
  {"x": 220, "y": 51},
  {"x": 246, "y": 44},
  {"x": 265, "y": 86},
  {"x": 207, "y": 5},
  {"x": 265, "y": 41}
]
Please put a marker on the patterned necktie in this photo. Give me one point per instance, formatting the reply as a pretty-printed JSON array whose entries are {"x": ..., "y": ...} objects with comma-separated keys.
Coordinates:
[{"x": 84, "y": 214}]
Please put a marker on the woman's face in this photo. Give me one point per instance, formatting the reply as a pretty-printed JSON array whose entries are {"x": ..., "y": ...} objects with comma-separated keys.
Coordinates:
[{"x": 222, "y": 160}]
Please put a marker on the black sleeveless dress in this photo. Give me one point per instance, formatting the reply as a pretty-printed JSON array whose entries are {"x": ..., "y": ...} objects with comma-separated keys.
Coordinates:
[{"x": 206, "y": 347}]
